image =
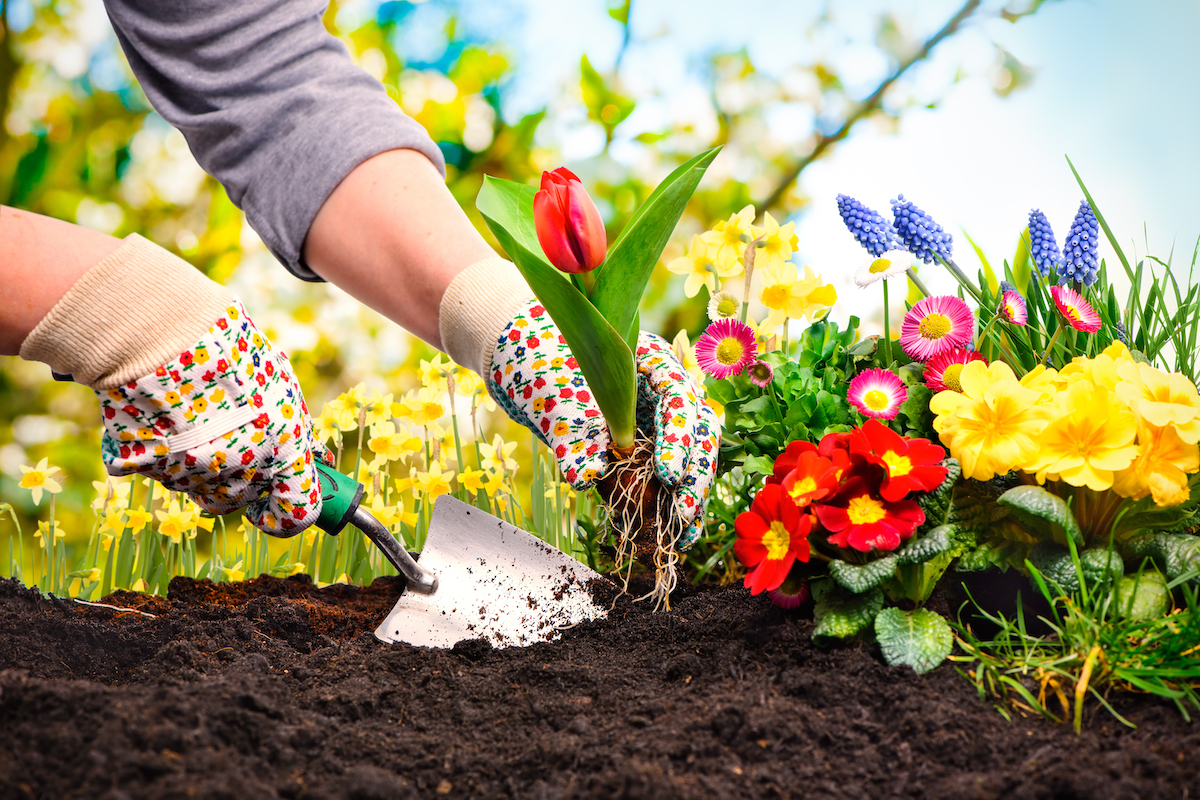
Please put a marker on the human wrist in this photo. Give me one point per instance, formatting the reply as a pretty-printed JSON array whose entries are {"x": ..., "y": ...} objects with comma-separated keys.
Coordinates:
[
  {"x": 477, "y": 305},
  {"x": 135, "y": 310}
]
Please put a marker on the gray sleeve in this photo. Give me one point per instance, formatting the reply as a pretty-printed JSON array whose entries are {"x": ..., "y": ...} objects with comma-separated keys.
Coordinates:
[{"x": 269, "y": 102}]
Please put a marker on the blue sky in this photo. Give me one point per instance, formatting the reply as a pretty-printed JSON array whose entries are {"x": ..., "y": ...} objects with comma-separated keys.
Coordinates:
[{"x": 1113, "y": 88}]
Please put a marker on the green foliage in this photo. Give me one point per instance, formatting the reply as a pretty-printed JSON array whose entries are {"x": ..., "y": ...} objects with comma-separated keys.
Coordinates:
[
  {"x": 1178, "y": 554},
  {"x": 840, "y": 614},
  {"x": 862, "y": 577},
  {"x": 1143, "y": 596},
  {"x": 1057, "y": 564},
  {"x": 921, "y": 639},
  {"x": 1043, "y": 513}
]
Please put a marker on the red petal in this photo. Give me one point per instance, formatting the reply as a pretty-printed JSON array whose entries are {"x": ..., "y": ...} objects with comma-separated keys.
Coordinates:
[{"x": 551, "y": 230}]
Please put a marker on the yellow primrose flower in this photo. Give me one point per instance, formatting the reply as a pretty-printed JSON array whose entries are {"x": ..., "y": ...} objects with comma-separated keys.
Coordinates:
[
  {"x": 1043, "y": 380},
  {"x": 44, "y": 527},
  {"x": 391, "y": 444},
  {"x": 1161, "y": 467},
  {"x": 1092, "y": 438},
  {"x": 38, "y": 479},
  {"x": 1161, "y": 399},
  {"x": 699, "y": 268},
  {"x": 790, "y": 297},
  {"x": 434, "y": 483},
  {"x": 777, "y": 245},
  {"x": 497, "y": 455},
  {"x": 993, "y": 425},
  {"x": 728, "y": 239}
]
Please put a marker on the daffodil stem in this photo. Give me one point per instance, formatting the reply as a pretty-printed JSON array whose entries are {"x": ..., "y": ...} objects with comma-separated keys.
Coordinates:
[
  {"x": 887, "y": 328},
  {"x": 748, "y": 261},
  {"x": 50, "y": 549},
  {"x": 912, "y": 276},
  {"x": 1050, "y": 346},
  {"x": 454, "y": 422}
]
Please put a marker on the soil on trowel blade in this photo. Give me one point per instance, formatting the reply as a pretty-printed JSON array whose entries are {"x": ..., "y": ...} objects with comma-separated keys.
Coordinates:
[{"x": 273, "y": 688}]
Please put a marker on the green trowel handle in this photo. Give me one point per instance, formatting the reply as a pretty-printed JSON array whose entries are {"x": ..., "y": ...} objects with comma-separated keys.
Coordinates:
[{"x": 340, "y": 496}]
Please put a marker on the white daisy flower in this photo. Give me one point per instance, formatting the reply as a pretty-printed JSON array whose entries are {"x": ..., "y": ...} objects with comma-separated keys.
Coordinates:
[
  {"x": 723, "y": 305},
  {"x": 888, "y": 265}
]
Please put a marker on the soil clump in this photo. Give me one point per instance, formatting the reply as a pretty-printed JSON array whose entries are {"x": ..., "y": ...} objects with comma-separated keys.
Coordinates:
[{"x": 274, "y": 688}]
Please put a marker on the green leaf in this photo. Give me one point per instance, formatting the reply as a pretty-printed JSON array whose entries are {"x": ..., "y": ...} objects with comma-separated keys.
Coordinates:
[
  {"x": 840, "y": 614},
  {"x": 919, "y": 550},
  {"x": 603, "y": 104},
  {"x": 1042, "y": 512},
  {"x": 864, "y": 577},
  {"x": 921, "y": 639},
  {"x": 1143, "y": 596},
  {"x": 604, "y": 359},
  {"x": 988, "y": 272},
  {"x": 1022, "y": 266},
  {"x": 758, "y": 465},
  {"x": 1176, "y": 553},
  {"x": 1099, "y": 565},
  {"x": 621, "y": 279}
]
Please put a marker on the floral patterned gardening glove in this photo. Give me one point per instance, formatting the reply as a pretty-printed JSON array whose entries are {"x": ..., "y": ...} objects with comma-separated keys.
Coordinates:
[
  {"x": 192, "y": 394},
  {"x": 536, "y": 380},
  {"x": 225, "y": 422}
]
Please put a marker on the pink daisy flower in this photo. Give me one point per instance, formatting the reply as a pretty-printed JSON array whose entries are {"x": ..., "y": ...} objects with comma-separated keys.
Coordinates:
[
  {"x": 726, "y": 348},
  {"x": 942, "y": 371},
  {"x": 1012, "y": 308},
  {"x": 1078, "y": 313},
  {"x": 877, "y": 393},
  {"x": 760, "y": 373},
  {"x": 934, "y": 325}
]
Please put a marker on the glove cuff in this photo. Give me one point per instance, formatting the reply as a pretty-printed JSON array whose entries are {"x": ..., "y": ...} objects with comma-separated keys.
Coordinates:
[
  {"x": 131, "y": 313},
  {"x": 478, "y": 303}
]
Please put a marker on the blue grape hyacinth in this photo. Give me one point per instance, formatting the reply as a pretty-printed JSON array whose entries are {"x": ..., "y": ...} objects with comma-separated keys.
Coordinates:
[
  {"x": 1079, "y": 261},
  {"x": 1042, "y": 247},
  {"x": 919, "y": 234},
  {"x": 867, "y": 226}
]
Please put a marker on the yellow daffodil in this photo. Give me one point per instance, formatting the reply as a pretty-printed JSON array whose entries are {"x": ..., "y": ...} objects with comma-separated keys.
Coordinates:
[
  {"x": 1091, "y": 438},
  {"x": 493, "y": 483},
  {"x": 110, "y": 494},
  {"x": 433, "y": 373},
  {"x": 43, "y": 527},
  {"x": 176, "y": 521},
  {"x": 777, "y": 243},
  {"x": 389, "y": 515},
  {"x": 471, "y": 480},
  {"x": 378, "y": 408},
  {"x": 993, "y": 425},
  {"x": 434, "y": 483},
  {"x": 137, "y": 518},
  {"x": 1161, "y": 399},
  {"x": 421, "y": 407},
  {"x": 38, "y": 479},
  {"x": 788, "y": 296},
  {"x": 1161, "y": 468},
  {"x": 497, "y": 455},
  {"x": 233, "y": 573},
  {"x": 390, "y": 443},
  {"x": 344, "y": 408},
  {"x": 699, "y": 268},
  {"x": 324, "y": 425},
  {"x": 728, "y": 239}
]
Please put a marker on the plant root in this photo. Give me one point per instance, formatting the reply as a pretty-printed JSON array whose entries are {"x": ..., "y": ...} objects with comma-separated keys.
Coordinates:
[{"x": 643, "y": 515}]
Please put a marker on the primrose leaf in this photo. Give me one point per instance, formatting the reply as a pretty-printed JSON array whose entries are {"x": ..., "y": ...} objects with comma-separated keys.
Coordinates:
[
  {"x": 1099, "y": 565},
  {"x": 1176, "y": 553},
  {"x": 1042, "y": 512},
  {"x": 840, "y": 614},
  {"x": 919, "y": 550},
  {"x": 1143, "y": 596},
  {"x": 859, "y": 578},
  {"x": 921, "y": 639}
]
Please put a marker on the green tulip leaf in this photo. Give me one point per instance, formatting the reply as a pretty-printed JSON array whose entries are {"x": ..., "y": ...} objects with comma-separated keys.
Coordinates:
[
  {"x": 604, "y": 358},
  {"x": 621, "y": 279},
  {"x": 921, "y": 639},
  {"x": 1042, "y": 512}
]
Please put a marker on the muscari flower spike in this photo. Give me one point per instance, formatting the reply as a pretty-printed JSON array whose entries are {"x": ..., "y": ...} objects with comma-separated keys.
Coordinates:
[
  {"x": 1042, "y": 247},
  {"x": 921, "y": 236},
  {"x": 867, "y": 226},
  {"x": 1079, "y": 261}
]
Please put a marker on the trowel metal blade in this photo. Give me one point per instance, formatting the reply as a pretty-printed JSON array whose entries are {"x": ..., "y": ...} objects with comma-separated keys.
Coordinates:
[{"x": 495, "y": 582}]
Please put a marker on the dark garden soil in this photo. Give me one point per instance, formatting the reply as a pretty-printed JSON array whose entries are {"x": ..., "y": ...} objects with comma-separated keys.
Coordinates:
[{"x": 272, "y": 688}]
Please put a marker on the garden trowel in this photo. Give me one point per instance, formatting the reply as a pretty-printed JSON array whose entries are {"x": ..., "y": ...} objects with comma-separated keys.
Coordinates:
[{"x": 478, "y": 578}]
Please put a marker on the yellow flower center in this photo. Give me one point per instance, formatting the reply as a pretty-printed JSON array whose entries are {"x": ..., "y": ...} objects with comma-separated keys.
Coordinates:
[
  {"x": 775, "y": 296},
  {"x": 880, "y": 265},
  {"x": 897, "y": 465},
  {"x": 1072, "y": 312},
  {"x": 32, "y": 479},
  {"x": 777, "y": 541},
  {"x": 727, "y": 307},
  {"x": 864, "y": 509},
  {"x": 952, "y": 377},
  {"x": 875, "y": 400},
  {"x": 934, "y": 326},
  {"x": 803, "y": 487},
  {"x": 730, "y": 351}
]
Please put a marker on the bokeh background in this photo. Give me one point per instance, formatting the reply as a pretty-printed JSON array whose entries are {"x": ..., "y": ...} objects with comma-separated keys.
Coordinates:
[{"x": 967, "y": 109}]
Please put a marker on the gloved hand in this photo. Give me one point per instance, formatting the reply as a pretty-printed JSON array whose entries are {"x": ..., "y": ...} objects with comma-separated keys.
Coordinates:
[
  {"x": 192, "y": 394},
  {"x": 538, "y": 383}
]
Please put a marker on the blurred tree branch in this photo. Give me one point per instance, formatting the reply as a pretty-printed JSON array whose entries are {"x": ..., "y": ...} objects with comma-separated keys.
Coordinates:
[{"x": 865, "y": 108}]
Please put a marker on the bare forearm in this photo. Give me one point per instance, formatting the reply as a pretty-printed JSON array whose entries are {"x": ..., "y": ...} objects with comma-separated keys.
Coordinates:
[
  {"x": 40, "y": 259},
  {"x": 392, "y": 235}
]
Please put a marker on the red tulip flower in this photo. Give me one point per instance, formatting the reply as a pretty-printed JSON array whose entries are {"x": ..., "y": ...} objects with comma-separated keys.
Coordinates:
[{"x": 568, "y": 224}]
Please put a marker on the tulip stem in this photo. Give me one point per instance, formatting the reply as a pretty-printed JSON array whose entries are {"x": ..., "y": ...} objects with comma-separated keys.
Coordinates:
[{"x": 588, "y": 280}]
